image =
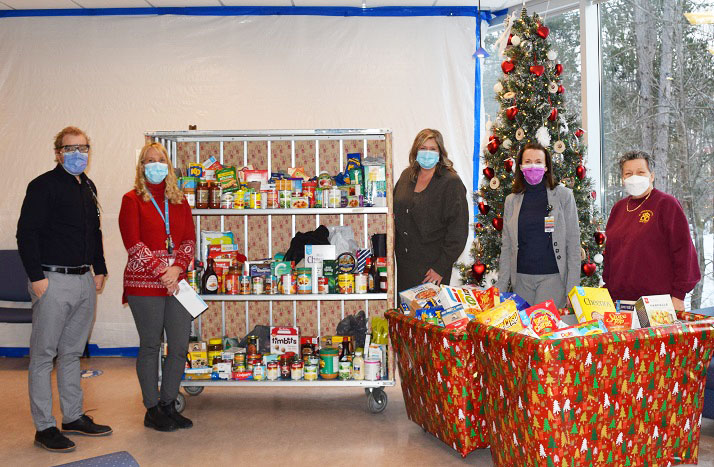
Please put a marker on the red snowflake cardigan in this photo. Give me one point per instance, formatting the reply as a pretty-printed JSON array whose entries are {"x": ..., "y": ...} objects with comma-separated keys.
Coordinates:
[{"x": 144, "y": 235}]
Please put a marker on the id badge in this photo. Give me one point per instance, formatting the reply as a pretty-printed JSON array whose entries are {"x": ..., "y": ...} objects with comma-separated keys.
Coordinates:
[
  {"x": 550, "y": 223},
  {"x": 169, "y": 244}
]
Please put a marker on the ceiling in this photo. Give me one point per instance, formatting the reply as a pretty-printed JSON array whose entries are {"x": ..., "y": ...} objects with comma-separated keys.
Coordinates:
[{"x": 491, "y": 5}]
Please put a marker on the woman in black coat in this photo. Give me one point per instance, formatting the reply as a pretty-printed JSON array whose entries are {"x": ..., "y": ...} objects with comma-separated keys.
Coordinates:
[{"x": 430, "y": 214}]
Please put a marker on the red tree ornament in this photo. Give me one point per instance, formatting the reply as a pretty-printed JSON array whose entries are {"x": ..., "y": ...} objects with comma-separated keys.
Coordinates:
[
  {"x": 580, "y": 171},
  {"x": 553, "y": 114},
  {"x": 599, "y": 237},
  {"x": 510, "y": 36},
  {"x": 579, "y": 132},
  {"x": 488, "y": 173},
  {"x": 561, "y": 89},
  {"x": 558, "y": 69},
  {"x": 508, "y": 164},
  {"x": 593, "y": 194},
  {"x": 497, "y": 223},
  {"x": 588, "y": 268},
  {"x": 507, "y": 66},
  {"x": 479, "y": 226},
  {"x": 511, "y": 112},
  {"x": 537, "y": 69},
  {"x": 542, "y": 31},
  {"x": 483, "y": 208},
  {"x": 493, "y": 146},
  {"x": 478, "y": 269}
]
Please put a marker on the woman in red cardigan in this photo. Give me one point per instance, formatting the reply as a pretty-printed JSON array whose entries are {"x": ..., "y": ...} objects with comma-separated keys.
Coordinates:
[{"x": 158, "y": 233}]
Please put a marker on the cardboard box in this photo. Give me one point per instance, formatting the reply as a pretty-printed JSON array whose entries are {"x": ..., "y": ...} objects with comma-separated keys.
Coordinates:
[
  {"x": 416, "y": 297},
  {"x": 655, "y": 310},
  {"x": 543, "y": 317},
  {"x": 452, "y": 296},
  {"x": 591, "y": 303},
  {"x": 588, "y": 328},
  {"x": 284, "y": 339},
  {"x": 281, "y": 268},
  {"x": 198, "y": 359},
  {"x": 504, "y": 316},
  {"x": 197, "y": 346},
  {"x": 259, "y": 269},
  {"x": 455, "y": 317},
  {"x": 314, "y": 257}
]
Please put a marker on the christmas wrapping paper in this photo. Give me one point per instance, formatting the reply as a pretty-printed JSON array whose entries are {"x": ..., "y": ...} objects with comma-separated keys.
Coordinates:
[
  {"x": 436, "y": 367},
  {"x": 630, "y": 398}
]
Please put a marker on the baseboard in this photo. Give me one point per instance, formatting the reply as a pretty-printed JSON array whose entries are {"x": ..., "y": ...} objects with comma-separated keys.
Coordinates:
[{"x": 94, "y": 351}]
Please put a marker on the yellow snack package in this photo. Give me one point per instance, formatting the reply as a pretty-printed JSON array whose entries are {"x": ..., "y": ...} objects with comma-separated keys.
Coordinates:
[{"x": 504, "y": 316}]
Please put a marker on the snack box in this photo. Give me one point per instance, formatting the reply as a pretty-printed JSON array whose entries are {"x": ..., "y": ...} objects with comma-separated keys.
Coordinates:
[
  {"x": 211, "y": 164},
  {"x": 199, "y": 346},
  {"x": 520, "y": 302},
  {"x": 299, "y": 202},
  {"x": 198, "y": 359},
  {"x": 450, "y": 296},
  {"x": 315, "y": 254},
  {"x": 504, "y": 316},
  {"x": 488, "y": 298},
  {"x": 194, "y": 374},
  {"x": 588, "y": 328},
  {"x": 591, "y": 303},
  {"x": 260, "y": 269},
  {"x": 543, "y": 318},
  {"x": 313, "y": 340},
  {"x": 280, "y": 268},
  {"x": 284, "y": 339},
  {"x": 429, "y": 315},
  {"x": 655, "y": 310},
  {"x": 227, "y": 179},
  {"x": 455, "y": 317},
  {"x": 416, "y": 297},
  {"x": 404, "y": 309}
]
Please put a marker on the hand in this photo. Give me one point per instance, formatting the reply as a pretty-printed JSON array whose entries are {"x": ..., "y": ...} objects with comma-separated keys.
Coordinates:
[
  {"x": 172, "y": 289},
  {"x": 99, "y": 281},
  {"x": 432, "y": 276},
  {"x": 169, "y": 278},
  {"x": 678, "y": 304},
  {"x": 40, "y": 287}
]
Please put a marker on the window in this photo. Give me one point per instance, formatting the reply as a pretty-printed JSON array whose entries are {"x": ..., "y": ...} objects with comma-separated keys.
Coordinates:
[{"x": 657, "y": 88}]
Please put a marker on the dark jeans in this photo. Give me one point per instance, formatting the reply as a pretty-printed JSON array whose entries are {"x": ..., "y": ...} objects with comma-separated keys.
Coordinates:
[{"x": 153, "y": 316}]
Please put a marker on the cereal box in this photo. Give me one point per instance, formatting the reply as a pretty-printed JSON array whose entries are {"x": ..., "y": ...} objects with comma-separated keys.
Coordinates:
[
  {"x": 543, "y": 317},
  {"x": 588, "y": 328},
  {"x": 416, "y": 297},
  {"x": 486, "y": 299},
  {"x": 455, "y": 317},
  {"x": 504, "y": 316},
  {"x": 284, "y": 339},
  {"x": 591, "y": 303},
  {"x": 452, "y": 296},
  {"x": 655, "y": 310},
  {"x": 520, "y": 302}
]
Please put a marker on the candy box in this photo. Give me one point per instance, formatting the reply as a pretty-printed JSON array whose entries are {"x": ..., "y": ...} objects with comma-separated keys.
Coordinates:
[
  {"x": 416, "y": 297},
  {"x": 451, "y": 296},
  {"x": 590, "y": 303},
  {"x": 588, "y": 328},
  {"x": 543, "y": 317},
  {"x": 520, "y": 302},
  {"x": 504, "y": 316},
  {"x": 284, "y": 339},
  {"x": 655, "y": 310}
]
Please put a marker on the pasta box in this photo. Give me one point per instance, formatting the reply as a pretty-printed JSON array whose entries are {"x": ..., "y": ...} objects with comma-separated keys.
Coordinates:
[
  {"x": 655, "y": 310},
  {"x": 416, "y": 297},
  {"x": 284, "y": 339}
]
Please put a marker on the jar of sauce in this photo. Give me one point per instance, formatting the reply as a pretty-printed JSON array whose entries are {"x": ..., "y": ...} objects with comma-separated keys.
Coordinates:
[
  {"x": 202, "y": 195},
  {"x": 214, "y": 196}
]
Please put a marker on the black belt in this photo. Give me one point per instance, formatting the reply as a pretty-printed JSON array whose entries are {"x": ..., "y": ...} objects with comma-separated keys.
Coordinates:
[{"x": 62, "y": 270}]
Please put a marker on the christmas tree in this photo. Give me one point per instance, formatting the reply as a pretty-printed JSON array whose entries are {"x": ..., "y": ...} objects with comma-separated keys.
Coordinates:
[{"x": 531, "y": 110}]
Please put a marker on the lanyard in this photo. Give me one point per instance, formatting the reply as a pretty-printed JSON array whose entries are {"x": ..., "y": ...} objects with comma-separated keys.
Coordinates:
[{"x": 165, "y": 218}]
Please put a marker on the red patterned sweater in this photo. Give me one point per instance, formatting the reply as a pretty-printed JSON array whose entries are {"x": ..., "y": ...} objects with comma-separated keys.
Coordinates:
[{"x": 144, "y": 235}]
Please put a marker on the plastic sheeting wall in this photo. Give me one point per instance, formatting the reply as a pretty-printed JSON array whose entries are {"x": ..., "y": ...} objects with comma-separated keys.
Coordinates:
[{"x": 117, "y": 77}]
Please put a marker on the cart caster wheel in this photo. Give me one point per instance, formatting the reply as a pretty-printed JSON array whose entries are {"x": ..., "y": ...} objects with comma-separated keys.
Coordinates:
[
  {"x": 377, "y": 400},
  {"x": 193, "y": 390},
  {"x": 180, "y": 403},
  {"x": 367, "y": 391}
]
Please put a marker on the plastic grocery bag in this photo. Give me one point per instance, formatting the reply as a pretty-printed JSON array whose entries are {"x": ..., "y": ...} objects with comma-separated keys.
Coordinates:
[
  {"x": 380, "y": 330},
  {"x": 343, "y": 237},
  {"x": 355, "y": 326}
]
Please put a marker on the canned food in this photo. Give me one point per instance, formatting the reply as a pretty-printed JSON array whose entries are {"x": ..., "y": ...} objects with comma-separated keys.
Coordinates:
[
  {"x": 255, "y": 200},
  {"x": 296, "y": 371},
  {"x": 245, "y": 285},
  {"x": 263, "y": 199},
  {"x": 335, "y": 198},
  {"x": 345, "y": 371},
  {"x": 285, "y": 198},
  {"x": 313, "y": 360},
  {"x": 289, "y": 286},
  {"x": 310, "y": 373},
  {"x": 273, "y": 199},
  {"x": 361, "y": 282},
  {"x": 227, "y": 200},
  {"x": 239, "y": 359},
  {"x": 192, "y": 281},
  {"x": 324, "y": 180},
  {"x": 346, "y": 283},
  {"x": 239, "y": 200},
  {"x": 304, "y": 280},
  {"x": 273, "y": 371},
  {"x": 323, "y": 285},
  {"x": 258, "y": 285},
  {"x": 268, "y": 285}
]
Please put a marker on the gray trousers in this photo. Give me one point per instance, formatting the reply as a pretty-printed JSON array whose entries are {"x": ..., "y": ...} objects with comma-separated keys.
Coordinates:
[
  {"x": 61, "y": 321},
  {"x": 153, "y": 316},
  {"x": 537, "y": 288}
]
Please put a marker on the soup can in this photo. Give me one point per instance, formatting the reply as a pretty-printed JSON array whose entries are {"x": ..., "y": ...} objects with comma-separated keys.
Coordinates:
[
  {"x": 323, "y": 285},
  {"x": 288, "y": 284},
  {"x": 239, "y": 200},
  {"x": 345, "y": 371},
  {"x": 268, "y": 285},
  {"x": 245, "y": 285},
  {"x": 361, "y": 283},
  {"x": 255, "y": 200},
  {"x": 310, "y": 372},
  {"x": 284, "y": 199},
  {"x": 227, "y": 200},
  {"x": 257, "y": 285},
  {"x": 259, "y": 372},
  {"x": 273, "y": 370},
  {"x": 346, "y": 283},
  {"x": 296, "y": 371},
  {"x": 335, "y": 198},
  {"x": 272, "y": 198},
  {"x": 304, "y": 280}
]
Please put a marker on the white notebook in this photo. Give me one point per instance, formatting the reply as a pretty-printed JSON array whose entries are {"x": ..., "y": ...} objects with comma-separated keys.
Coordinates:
[{"x": 190, "y": 300}]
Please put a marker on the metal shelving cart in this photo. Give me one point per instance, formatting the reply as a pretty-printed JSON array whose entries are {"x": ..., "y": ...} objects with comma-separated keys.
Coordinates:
[{"x": 260, "y": 148}]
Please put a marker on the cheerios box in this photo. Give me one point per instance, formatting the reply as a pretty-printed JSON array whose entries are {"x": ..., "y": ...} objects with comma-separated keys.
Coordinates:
[
  {"x": 417, "y": 297},
  {"x": 655, "y": 310},
  {"x": 591, "y": 303},
  {"x": 284, "y": 339}
]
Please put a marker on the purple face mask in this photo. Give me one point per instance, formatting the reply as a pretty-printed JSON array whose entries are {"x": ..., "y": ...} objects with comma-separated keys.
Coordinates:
[{"x": 533, "y": 173}]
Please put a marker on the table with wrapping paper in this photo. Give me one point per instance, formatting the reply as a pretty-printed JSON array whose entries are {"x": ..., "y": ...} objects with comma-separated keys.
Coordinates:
[
  {"x": 630, "y": 398},
  {"x": 436, "y": 367}
]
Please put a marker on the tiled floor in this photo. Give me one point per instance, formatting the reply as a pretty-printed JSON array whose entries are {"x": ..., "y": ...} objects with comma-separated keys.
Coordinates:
[{"x": 239, "y": 426}]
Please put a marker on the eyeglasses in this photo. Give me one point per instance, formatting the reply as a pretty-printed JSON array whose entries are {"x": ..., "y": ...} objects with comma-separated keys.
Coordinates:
[{"x": 75, "y": 147}]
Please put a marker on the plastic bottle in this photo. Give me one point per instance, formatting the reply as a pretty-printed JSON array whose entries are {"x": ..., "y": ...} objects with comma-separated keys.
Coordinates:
[
  {"x": 209, "y": 283},
  {"x": 358, "y": 366}
]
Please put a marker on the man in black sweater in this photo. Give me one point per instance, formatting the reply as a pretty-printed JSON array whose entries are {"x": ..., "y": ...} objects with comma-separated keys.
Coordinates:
[{"x": 60, "y": 241}]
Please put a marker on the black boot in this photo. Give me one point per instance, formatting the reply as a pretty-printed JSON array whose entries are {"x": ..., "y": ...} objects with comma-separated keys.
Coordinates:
[
  {"x": 170, "y": 411},
  {"x": 157, "y": 420}
]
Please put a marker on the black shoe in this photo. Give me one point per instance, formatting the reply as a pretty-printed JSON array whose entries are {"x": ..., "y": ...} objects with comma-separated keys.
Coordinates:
[
  {"x": 159, "y": 421},
  {"x": 52, "y": 440},
  {"x": 170, "y": 411},
  {"x": 84, "y": 425}
]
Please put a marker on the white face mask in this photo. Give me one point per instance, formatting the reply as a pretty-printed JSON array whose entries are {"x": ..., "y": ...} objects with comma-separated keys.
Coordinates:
[{"x": 636, "y": 185}]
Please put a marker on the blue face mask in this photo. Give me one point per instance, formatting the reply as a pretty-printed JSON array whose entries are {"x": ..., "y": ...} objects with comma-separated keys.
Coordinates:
[
  {"x": 427, "y": 159},
  {"x": 156, "y": 172},
  {"x": 75, "y": 162}
]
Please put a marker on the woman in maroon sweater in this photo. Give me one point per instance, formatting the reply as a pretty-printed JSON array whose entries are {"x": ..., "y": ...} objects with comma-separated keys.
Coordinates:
[
  {"x": 158, "y": 233},
  {"x": 649, "y": 250}
]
